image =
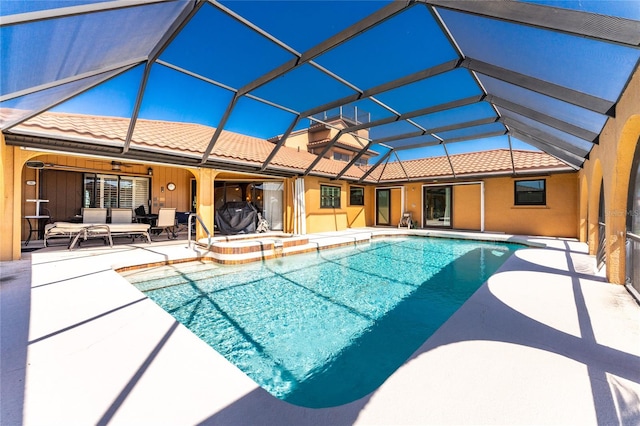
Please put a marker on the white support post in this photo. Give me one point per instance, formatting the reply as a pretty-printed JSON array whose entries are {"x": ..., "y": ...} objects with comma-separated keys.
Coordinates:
[{"x": 481, "y": 206}]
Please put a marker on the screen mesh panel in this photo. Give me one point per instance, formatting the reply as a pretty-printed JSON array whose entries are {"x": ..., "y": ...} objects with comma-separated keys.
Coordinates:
[
  {"x": 623, "y": 9},
  {"x": 203, "y": 47},
  {"x": 564, "y": 111},
  {"x": 396, "y": 71},
  {"x": 303, "y": 88},
  {"x": 307, "y": 23},
  {"x": 186, "y": 99},
  {"x": 247, "y": 110},
  {"x": 571, "y": 143},
  {"x": 460, "y": 115},
  {"x": 414, "y": 142},
  {"x": 378, "y": 47},
  {"x": 468, "y": 132},
  {"x": 20, "y": 108},
  {"x": 41, "y": 52},
  {"x": 433, "y": 91},
  {"x": 391, "y": 130},
  {"x": 544, "y": 54},
  {"x": 16, "y": 7}
]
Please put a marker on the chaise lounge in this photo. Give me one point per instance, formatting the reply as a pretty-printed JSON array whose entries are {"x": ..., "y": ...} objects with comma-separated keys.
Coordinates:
[{"x": 83, "y": 231}]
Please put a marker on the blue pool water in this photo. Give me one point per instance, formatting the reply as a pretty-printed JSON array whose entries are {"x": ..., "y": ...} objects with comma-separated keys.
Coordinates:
[{"x": 325, "y": 328}]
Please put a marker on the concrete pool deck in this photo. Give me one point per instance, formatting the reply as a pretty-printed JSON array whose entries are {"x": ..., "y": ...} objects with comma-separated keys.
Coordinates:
[{"x": 544, "y": 341}]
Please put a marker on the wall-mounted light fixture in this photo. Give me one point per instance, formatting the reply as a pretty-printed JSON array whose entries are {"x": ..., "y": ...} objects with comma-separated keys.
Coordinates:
[{"x": 150, "y": 171}]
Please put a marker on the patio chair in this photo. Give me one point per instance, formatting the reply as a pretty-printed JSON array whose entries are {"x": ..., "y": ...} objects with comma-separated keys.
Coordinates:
[
  {"x": 121, "y": 215},
  {"x": 94, "y": 215},
  {"x": 406, "y": 221},
  {"x": 166, "y": 222}
]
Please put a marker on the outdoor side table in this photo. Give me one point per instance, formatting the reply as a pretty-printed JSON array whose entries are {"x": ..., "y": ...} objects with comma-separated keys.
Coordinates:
[{"x": 39, "y": 226}]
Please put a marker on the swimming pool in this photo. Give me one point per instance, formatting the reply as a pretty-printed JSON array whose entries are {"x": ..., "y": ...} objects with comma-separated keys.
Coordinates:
[{"x": 325, "y": 328}]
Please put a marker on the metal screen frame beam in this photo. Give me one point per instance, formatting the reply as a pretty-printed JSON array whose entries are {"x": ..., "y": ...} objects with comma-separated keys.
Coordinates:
[
  {"x": 574, "y": 97},
  {"x": 475, "y": 137},
  {"x": 446, "y": 152},
  {"x": 564, "y": 156},
  {"x": 347, "y": 34},
  {"x": 387, "y": 120},
  {"x": 610, "y": 29},
  {"x": 222, "y": 85},
  {"x": 323, "y": 152},
  {"x": 401, "y": 166},
  {"x": 354, "y": 159},
  {"x": 417, "y": 113},
  {"x": 532, "y": 114},
  {"x": 375, "y": 166},
  {"x": 63, "y": 12},
  {"x": 280, "y": 143},
  {"x": 440, "y": 129},
  {"x": 546, "y": 137},
  {"x": 64, "y": 99},
  {"x": 219, "y": 128},
  {"x": 172, "y": 32},
  {"x": 513, "y": 164},
  {"x": 452, "y": 140},
  {"x": 130, "y": 63},
  {"x": 368, "y": 93},
  {"x": 418, "y": 145}
]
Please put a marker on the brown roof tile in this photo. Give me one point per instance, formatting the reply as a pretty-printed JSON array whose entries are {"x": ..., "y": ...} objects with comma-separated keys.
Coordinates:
[{"x": 194, "y": 139}]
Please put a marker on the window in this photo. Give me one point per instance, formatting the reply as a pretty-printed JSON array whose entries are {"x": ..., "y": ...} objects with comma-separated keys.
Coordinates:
[
  {"x": 341, "y": 157},
  {"x": 329, "y": 196},
  {"x": 356, "y": 196},
  {"x": 115, "y": 191},
  {"x": 530, "y": 193}
]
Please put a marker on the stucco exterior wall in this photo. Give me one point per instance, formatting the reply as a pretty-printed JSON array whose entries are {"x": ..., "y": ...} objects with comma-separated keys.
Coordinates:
[
  {"x": 466, "y": 207},
  {"x": 609, "y": 165},
  {"x": 329, "y": 219},
  {"x": 557, "y": 219}
]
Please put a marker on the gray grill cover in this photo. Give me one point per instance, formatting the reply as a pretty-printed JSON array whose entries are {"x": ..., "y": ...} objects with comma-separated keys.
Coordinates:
[{"x": 236, "y": 218}]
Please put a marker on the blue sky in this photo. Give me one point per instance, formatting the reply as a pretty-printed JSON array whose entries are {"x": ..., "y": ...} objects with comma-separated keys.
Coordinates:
[{"x": 221, "y": 49}]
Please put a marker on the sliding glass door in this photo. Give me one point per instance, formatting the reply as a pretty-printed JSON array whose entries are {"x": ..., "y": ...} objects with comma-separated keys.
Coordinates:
[
  {"x": 437, "y": 206},
  {"x": 383, "y": 207}
]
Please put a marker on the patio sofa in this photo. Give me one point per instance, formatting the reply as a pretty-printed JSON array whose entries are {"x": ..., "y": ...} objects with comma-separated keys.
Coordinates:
[{"x": 76, "y": 232}]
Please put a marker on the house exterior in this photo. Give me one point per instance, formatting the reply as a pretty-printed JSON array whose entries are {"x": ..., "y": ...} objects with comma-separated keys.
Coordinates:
[
  {"x": 524, "y": 193},
  {"x": 324, "y": 137}
]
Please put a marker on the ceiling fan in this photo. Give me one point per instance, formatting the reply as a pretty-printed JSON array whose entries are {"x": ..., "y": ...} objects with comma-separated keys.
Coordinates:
[{"x": 117, "y": 166}]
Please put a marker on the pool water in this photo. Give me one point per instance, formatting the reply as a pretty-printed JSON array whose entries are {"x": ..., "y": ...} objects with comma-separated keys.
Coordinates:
[{"x": 325, "y": 328}]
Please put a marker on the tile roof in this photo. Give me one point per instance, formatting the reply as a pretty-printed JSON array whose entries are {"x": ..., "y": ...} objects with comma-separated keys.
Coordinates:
[
  {"x": 193, "y": 139},
  {"x": 472, "y": 164}
]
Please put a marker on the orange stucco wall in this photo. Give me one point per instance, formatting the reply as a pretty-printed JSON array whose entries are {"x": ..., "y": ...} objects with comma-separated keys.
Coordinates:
[
  {"x": 466, "y": 207},
  {"x": 347, "y": 216},
  {"x": 609, "y": 165},
  {"x": 557, "y": 219}
]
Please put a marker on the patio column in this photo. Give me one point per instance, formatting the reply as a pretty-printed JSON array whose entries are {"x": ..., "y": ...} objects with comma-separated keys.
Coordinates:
[
  {"x": 205, "y": 207},
  {"x": 12, "y": 160}
]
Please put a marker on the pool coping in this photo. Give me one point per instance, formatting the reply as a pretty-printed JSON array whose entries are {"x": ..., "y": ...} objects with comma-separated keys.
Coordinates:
[
  {"x": 241, "y": 249},
  {"x": 81, "y": 346}
]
